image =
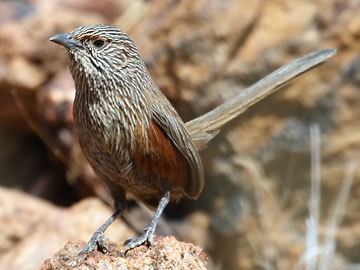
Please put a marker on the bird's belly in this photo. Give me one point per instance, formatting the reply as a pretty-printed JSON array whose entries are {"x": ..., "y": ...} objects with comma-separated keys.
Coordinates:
[
  {"x": 98, "y": 150},
  {"x": 117, "y": 158},
  {"x": 99, "y": 159}
]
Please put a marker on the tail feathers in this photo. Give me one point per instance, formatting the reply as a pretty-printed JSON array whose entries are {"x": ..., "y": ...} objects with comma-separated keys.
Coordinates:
[{"x": 207, "y": 126}]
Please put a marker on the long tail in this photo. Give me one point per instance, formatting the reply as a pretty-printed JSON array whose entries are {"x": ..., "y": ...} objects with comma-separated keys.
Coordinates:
[{"x": 207, "y": 126}]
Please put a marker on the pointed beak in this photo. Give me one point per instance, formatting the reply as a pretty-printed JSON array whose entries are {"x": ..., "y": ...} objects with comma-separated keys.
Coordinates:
[{"x": 66, "y": 40}]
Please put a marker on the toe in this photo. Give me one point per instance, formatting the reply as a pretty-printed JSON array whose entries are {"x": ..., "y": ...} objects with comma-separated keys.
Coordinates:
[
  {"x": 146, "y": 237},
  {"x": 151, "y": 239},
  {"x": 135, "y": 242},
  {"x": 98, "y": 240},
  {"x": 90, "y": 247}
]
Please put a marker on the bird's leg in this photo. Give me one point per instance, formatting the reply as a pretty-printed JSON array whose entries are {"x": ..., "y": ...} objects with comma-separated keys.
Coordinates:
[
  {"x": 148, "y": 235},
  {"x": 98, "y": 238}
]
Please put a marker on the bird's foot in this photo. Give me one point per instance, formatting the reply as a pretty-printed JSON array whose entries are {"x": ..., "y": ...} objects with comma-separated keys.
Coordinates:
[
  {"x": 148, "y": 235},
  {"x": 98, "y": 240},
  {"x": 146, "y": 238}
]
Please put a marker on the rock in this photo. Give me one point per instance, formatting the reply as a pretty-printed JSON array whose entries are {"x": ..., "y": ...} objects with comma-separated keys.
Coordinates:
[
  {"x": 33, "y": 230},
  {"x": 166, "y": 253}
]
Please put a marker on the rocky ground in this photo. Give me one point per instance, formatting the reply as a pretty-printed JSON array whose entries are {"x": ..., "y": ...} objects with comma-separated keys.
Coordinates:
[
  {"x": 166, "y": 253},
  {"x": 253, "y": 211}
]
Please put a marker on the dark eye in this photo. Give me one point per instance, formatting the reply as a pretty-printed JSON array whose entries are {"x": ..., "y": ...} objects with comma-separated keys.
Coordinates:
[{"x": 99, "y": 43}]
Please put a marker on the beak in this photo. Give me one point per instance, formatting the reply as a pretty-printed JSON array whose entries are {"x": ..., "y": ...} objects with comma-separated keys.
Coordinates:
[{"x": 66, "y": 40}]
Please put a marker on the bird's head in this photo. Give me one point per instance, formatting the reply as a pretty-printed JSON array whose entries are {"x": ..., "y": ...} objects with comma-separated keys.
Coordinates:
[{"x": 100, "y": 50}]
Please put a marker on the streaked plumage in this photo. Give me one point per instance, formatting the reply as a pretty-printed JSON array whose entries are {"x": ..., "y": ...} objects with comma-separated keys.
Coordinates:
[
  {"x": 130, "y": 133},
  {"x": 123, "y": 121}
]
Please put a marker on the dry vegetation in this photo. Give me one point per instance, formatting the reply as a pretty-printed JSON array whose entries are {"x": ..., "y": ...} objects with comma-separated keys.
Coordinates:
[{"x": 282, "y": 185}]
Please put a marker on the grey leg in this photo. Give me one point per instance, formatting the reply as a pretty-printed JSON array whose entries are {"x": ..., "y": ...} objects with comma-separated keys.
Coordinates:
[
  {"x": 148, "y": 235},
  {"x": 98, "y": 238}
]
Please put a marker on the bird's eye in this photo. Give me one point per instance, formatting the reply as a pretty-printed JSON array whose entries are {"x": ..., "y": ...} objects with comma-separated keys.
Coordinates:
[{"x": 98, "y": 43}]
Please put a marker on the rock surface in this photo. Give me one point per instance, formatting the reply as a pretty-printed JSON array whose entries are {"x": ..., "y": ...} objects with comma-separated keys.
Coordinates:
[
  {"x": 32, "y": 230},
  {"x": 166, "y": 253}
]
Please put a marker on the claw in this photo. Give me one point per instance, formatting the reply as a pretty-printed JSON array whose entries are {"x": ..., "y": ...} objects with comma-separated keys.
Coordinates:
[
  {"x": 97, "y": 240},
  {"x": 148, "y": 235},
  {"x": 146, "y": 238}
]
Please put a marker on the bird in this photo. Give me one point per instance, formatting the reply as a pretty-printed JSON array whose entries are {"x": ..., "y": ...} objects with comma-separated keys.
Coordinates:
[{"x": 130, "y": 133}]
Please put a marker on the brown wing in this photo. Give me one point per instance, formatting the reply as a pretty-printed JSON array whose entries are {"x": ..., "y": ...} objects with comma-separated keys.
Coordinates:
[
  {"x": 167, "y": 157},
  {"x": 171, "y": 125},
  {"x": 159, "y": 165}
]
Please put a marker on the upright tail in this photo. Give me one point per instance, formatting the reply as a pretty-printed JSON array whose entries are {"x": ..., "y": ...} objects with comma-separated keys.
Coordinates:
[{"x": 207, "y": 126}]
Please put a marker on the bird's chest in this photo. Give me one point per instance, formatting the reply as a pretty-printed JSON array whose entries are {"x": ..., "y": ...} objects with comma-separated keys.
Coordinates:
[
  {"x": 107, "y": 131},
  {"x": 97, "y": 123},
  {"x": 103, "y": 134}
]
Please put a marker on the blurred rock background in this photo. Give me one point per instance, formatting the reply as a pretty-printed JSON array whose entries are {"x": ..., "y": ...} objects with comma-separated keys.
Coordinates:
[{"x": 253, "y": 211}]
